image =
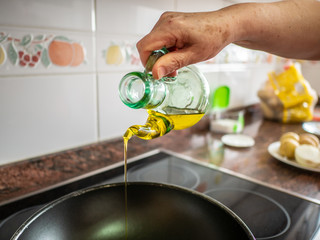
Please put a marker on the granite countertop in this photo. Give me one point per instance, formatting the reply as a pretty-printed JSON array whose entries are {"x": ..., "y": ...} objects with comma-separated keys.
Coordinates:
[{"x": 198, "y": 142}]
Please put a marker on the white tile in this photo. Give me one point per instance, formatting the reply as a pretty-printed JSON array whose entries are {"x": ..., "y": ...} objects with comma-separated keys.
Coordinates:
[
  {"x": 129, "y": 17},
  {"x": 244, "y": 83},
  {"x": 44, "y": 114},
  {"x": 199, "y": 5},
  {"x": 237, "y": 81},
  {"x": 114, "y": 116},
  {"x": 61, "y": 14},
  {"x": 117, "y": 53},
  {"x": 259, "y": 75},
  {"x": 311, "y": 72},
  {"x": 16, "y": 40}
]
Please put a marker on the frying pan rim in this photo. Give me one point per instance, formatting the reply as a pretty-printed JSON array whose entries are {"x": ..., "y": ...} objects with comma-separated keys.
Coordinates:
[{"x": 76, "y": 193}]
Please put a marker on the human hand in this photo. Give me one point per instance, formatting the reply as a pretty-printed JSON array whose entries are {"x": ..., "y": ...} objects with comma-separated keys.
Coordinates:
[{"x": 190, "y": 37}]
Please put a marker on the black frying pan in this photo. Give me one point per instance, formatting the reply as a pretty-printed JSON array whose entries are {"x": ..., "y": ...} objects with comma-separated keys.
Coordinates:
[{"x": 155, "y": 211}]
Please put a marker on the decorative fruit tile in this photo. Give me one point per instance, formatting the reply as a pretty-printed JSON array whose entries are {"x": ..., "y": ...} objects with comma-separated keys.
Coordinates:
[
  {"x": 29, "y": 51},
  {"x": 117, "y": 53}
]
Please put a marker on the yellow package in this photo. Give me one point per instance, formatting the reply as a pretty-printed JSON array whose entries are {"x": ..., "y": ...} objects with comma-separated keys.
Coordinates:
[{"x": 289, "y": 97}]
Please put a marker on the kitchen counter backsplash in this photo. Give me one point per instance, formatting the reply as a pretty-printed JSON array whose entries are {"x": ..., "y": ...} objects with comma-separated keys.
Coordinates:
[{"x": 61, "y": 63}]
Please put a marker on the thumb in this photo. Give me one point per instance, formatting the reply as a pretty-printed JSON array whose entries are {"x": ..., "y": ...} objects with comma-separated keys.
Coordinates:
[{"x": 171, "y": 62}]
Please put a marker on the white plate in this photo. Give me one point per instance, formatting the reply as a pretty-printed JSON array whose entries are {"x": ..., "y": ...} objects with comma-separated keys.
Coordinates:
[
  {"x": 312, "y": 127},
  {"x": 237, "y": 140},
  {"x": 273, "y": 149}
]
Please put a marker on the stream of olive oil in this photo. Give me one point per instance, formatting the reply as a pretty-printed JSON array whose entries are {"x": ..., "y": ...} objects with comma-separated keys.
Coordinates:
[
  {"x": 128, "y": 134},
  {"x": 179, "y": 122},
  {"x": 125, "y": 143}
]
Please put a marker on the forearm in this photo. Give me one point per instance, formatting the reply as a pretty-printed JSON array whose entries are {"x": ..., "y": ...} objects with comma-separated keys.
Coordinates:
[{"x": 289, "y": 28}]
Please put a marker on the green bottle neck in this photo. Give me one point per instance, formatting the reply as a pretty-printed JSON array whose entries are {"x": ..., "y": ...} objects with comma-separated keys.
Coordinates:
[{"x": 140, "y": 90}]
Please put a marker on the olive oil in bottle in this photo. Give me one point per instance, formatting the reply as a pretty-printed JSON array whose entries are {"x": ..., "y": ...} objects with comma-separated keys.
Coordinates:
[{"x": 159, "y": 124}]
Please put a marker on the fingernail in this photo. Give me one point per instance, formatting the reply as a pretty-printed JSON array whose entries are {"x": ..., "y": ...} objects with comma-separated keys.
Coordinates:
[{"x": 161, "y": 72}]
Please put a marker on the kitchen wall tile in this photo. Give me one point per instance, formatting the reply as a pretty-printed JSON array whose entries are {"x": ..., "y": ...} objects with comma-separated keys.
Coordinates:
[
  {"x": 199, "y": 5},
  {"x": 46, "y": 106},
  {"x": 259, "y": 75},
  {"x": 311, "y": 72},
  {"x": 114, "y": 116},
  {"x": 244, "y": 82},
  {"x": 117, "y": 53},
  {"x": 129, "y": 17},
  {"x": 61, "y": 14},
  {"x": 33, "y": 51},
  {"x": 43, "y": 114}
]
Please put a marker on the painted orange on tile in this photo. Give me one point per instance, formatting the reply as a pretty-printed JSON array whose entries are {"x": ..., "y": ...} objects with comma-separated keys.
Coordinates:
[
  {"x": 60, "y": 53},
  {"x": 64, "y": 53},
  {"x": 78, "y": 54}
]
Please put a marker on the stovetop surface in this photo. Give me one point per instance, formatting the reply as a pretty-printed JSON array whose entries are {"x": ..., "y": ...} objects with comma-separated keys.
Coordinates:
[{"x": 268, "y": 212}]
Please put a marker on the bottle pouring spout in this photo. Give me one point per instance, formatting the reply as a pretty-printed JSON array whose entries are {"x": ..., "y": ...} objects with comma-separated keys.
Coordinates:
[{"x": 156, "y": 126}]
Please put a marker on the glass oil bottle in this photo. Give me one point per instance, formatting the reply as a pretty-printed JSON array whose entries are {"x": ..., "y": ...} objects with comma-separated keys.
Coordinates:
[{"x": 172, "y": 103}]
